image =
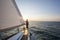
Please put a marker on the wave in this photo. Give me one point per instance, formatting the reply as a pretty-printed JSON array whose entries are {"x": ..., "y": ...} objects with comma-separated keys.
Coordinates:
[{"x": 44, "y": 34}]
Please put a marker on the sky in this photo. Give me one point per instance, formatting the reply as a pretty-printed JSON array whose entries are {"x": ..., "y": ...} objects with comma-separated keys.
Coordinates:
[{"x": 39, "y": 10}]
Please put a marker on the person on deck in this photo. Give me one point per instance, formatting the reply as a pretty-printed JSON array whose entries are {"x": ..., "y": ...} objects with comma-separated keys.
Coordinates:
[{"x": 27, "y": 23}]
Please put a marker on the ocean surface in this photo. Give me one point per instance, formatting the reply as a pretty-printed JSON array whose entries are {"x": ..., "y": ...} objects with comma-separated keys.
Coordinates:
[{"x": 45, "y": 30}]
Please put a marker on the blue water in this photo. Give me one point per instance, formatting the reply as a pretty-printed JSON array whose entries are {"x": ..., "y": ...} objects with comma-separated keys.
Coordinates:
[{"x": 45, "y": 30}]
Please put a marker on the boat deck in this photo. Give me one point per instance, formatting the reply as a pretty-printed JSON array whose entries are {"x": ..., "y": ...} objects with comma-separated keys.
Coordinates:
[{"x": 25, "y": 37}]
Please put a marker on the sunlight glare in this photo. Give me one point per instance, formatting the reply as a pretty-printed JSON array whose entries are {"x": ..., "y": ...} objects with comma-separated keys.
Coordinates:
[{"x": 25, "y": 18}]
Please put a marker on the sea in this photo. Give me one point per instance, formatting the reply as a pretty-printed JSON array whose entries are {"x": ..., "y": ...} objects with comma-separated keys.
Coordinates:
[{"x": 45, "y": 30}]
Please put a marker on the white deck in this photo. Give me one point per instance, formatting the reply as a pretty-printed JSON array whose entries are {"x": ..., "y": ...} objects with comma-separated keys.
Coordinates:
[{"x": 17, "y": 36}]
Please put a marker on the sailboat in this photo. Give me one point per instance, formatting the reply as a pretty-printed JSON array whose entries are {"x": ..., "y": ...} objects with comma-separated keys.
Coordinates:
[{"x": 10, "y": 21}]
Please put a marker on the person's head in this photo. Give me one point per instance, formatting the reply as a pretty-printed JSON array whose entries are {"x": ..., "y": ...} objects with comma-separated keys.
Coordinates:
[{"x": 26, "y": 19}]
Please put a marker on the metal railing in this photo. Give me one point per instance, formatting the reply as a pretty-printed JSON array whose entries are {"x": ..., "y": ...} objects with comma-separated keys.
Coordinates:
[{"x": 9, "y": 32}]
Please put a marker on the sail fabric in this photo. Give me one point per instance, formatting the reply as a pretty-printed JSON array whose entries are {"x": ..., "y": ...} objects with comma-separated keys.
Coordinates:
[{"x": 10, "y": 15}]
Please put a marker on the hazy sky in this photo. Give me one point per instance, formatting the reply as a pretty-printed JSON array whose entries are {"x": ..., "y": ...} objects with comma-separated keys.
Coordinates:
[{"x": 40, "y": 10}]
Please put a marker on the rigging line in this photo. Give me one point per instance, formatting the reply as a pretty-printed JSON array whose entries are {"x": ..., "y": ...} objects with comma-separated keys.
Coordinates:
[{"x": 14, "y": 2}]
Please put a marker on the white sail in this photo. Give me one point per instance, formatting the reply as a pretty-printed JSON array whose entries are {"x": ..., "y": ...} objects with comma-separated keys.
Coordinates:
[{"x": 9, "y": 14}]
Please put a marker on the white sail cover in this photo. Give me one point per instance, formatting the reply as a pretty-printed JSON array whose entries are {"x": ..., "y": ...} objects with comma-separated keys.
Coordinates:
[{"x": 9, "y": 14}]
